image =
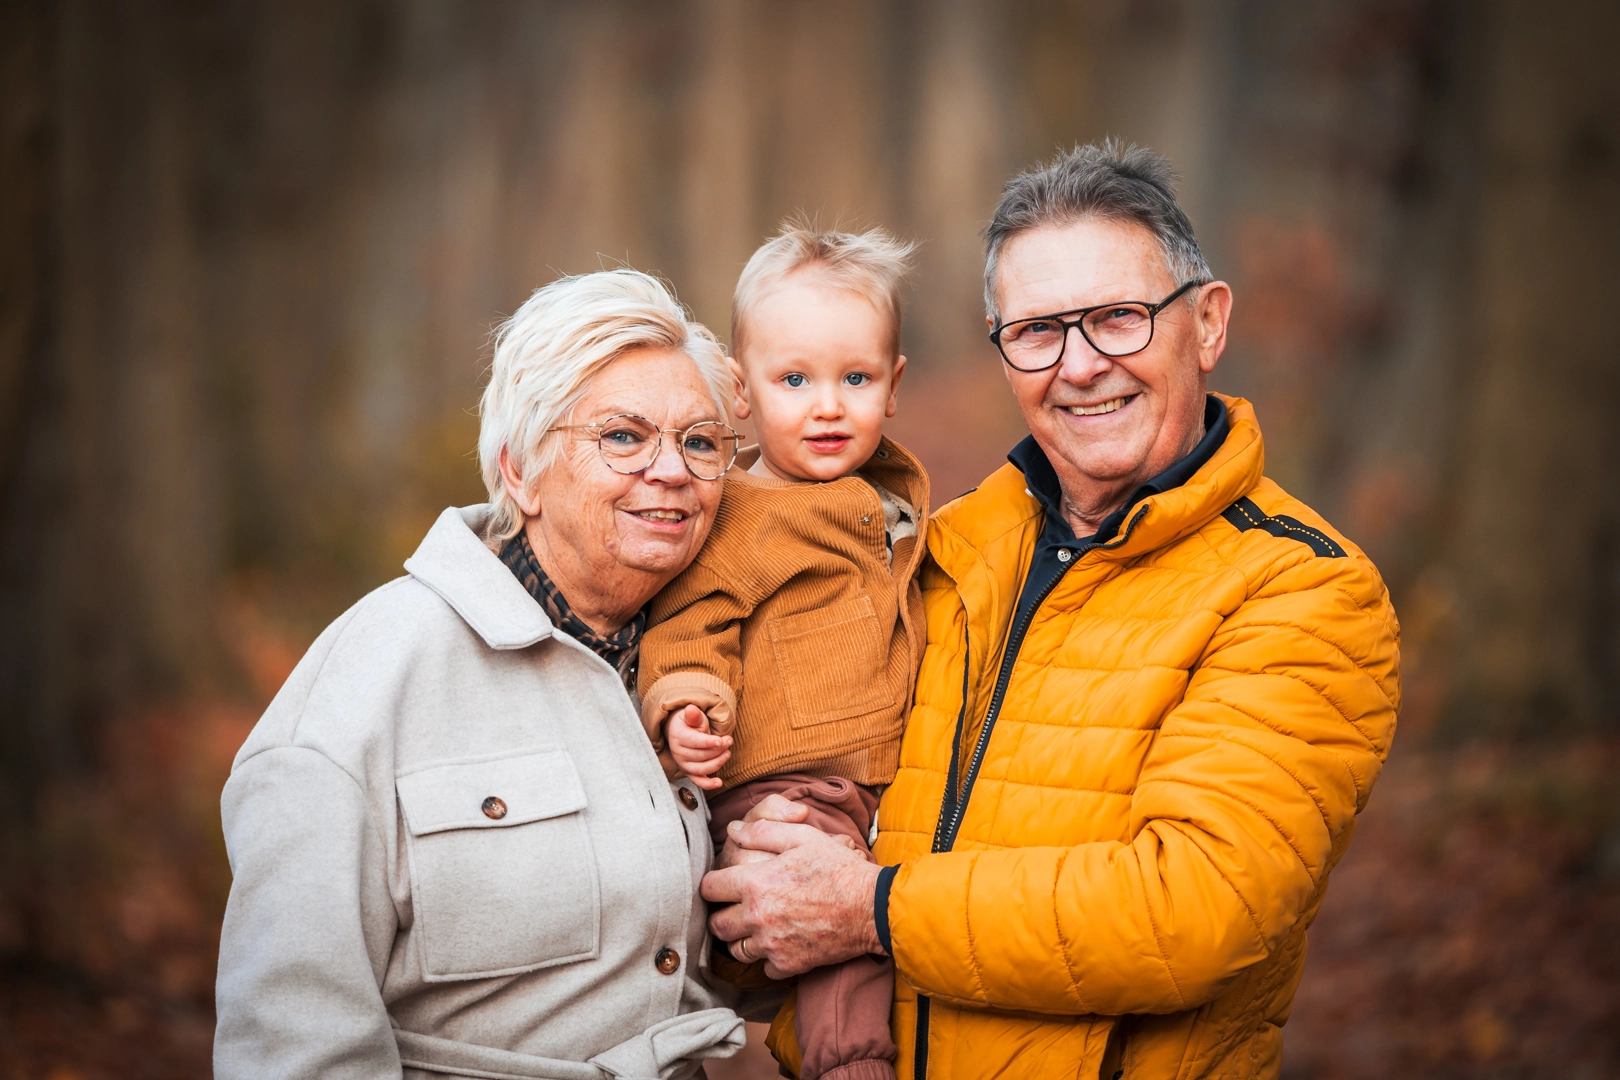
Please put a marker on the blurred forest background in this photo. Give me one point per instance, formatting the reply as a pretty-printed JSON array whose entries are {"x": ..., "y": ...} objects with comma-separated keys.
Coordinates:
[{"x": 250, "y": 254}]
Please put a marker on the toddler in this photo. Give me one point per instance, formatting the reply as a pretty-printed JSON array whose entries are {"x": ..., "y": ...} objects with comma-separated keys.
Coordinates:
[{"x": 782, "y": 661}]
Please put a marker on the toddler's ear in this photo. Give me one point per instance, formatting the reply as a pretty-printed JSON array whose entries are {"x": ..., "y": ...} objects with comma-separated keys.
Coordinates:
[
  {"x": 739, "y": 403},
  {"x": 893, "y": 405}
]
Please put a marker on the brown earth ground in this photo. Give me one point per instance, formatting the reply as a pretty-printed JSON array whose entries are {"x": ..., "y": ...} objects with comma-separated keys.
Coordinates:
[{"x": 1472, "y": 931}]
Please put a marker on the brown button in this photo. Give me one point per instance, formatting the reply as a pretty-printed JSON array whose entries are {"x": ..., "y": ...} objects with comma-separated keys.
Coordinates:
[
  {"x": 667, "y": 960},
  {"x": 494, "y": 808},
  {"x": 688, "y": 799}
]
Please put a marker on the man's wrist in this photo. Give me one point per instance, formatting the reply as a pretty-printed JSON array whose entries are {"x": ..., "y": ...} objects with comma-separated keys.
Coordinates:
[{"x": 880, "y": 906}]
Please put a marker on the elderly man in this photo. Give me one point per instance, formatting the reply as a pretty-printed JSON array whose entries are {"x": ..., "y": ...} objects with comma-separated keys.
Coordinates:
[{"x": 1157, "y": 691}]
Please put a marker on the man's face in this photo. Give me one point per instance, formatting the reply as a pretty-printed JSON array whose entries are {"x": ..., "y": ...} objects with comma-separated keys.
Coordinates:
[{"x": 1108, "y": 424}]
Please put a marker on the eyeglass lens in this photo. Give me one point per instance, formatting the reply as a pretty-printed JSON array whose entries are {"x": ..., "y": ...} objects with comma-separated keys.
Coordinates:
[
  {"x": 629, "y": 444},
  {"x": 1113, "y": 331}
]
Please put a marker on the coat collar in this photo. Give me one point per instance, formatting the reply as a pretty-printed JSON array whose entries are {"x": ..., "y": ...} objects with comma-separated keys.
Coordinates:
[
  {"x": 890, "y": 465},
  {"x": 1237, "y": 465},
  {"x": 460, "y": 568}
]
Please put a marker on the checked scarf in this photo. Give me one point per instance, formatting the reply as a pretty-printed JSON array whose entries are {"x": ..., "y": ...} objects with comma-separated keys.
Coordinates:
[{"x": 619, "y": 649}]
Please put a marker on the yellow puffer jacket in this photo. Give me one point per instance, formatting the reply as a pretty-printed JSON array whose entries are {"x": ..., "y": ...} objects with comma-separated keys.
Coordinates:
[{"x": 1197, "y": 714}]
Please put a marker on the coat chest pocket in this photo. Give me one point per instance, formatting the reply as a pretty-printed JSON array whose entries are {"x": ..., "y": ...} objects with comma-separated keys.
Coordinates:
[
  {"x": 831, "y": 662},
  {"x": 503, "y": 878}
]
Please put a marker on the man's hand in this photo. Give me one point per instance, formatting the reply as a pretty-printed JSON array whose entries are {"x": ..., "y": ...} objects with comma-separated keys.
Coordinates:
[
  {"x": 770, "y": 808},
  {"x": 698, "y": 754},
  {"x": 808, "y": 907}
]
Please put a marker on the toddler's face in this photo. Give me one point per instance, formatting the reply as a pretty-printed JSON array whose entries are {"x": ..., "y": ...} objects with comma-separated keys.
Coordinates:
[{"x": 817, "y": 378}]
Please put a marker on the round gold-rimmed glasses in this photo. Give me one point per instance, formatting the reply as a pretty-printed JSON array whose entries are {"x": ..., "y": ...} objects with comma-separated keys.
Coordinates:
[{"x": 629, "y": 444}]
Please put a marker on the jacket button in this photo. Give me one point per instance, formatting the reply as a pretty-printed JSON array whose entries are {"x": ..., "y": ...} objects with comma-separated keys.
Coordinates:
[
  {"x": 494, "y": 808},
  {"x": 667, "y": 960},
  {"x": 867, "y": 520},
  {"x": 1064, "y": 555},
  {"x": 688, "y": 799}
]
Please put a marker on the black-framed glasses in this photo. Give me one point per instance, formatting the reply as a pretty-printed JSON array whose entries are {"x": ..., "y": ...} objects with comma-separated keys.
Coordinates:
[
  {"x": 1117, "y": 329},
  {"x": 630, "y": 444}
]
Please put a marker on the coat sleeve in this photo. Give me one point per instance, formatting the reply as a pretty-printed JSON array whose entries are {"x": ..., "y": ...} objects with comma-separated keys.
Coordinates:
[
  {"x": 1245, "y": 801},
  {"x": 692, "y": 651},
  {"x": 308, "y": 926}
]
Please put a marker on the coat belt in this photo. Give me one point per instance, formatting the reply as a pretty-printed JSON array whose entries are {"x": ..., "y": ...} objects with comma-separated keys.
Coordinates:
[{"x": 665, "y": 1051}]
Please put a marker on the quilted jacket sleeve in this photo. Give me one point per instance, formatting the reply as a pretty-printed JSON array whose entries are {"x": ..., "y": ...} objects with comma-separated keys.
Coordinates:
[{"x": 1247, "y": 798}]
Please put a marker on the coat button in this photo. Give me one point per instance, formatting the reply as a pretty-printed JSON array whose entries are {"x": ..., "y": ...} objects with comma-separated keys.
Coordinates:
[
  {"x": 494, "y": 808},
  {"x": 1064, "y": 555},
  {"x": 688, "y": 799},
  {"x": 667, "y": 960},
  {"x": 867, "y": 520}
]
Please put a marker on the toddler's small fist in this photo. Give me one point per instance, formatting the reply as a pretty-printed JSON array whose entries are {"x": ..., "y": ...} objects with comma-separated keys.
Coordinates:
[{"x": 699, "y": 754}]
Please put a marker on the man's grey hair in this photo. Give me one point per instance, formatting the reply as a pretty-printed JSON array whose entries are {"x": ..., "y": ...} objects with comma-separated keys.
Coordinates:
[{"x": 1110, "y": 181}]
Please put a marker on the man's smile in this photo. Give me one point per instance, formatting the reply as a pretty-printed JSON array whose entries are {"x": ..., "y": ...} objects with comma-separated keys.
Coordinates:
[{"x": 1101, "y": 408}]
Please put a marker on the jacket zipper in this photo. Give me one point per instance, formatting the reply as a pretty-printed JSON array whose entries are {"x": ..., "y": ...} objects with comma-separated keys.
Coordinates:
[
  {"x": 952, "y": 771},
  {"x": 945, "y": 837},
  {"x": 954, "y": 808}
]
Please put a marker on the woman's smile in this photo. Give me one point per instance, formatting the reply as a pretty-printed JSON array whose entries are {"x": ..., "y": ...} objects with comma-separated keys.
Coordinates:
[{"x": 668, "y": 518}]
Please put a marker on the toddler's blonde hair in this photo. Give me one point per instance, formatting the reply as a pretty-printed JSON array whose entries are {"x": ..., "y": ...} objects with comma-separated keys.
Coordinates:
[{"x": 872, "y": 264}]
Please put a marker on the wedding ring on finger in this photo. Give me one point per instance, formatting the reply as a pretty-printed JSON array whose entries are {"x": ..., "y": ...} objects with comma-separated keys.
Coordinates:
[{"x": 739, "y": 949}]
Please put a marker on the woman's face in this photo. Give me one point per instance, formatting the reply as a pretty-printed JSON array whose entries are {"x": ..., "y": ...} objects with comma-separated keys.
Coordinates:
[{"x": 653, "y": 521}]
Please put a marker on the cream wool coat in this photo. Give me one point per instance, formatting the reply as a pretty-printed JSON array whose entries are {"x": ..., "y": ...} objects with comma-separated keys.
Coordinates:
[{"x": 382, "y": 924}]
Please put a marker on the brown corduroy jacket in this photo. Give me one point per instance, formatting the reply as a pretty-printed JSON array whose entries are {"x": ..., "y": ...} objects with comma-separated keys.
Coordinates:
[{"x": 793, "y": 629}]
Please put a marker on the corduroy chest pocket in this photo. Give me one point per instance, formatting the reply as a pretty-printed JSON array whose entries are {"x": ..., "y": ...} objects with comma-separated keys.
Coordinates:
[
  {"x": 855, "y": 679},
  {"x": 503, "y": 878}
]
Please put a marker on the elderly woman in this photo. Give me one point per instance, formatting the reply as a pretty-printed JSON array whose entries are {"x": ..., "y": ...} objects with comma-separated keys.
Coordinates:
[{"x": 455, "y": 852}]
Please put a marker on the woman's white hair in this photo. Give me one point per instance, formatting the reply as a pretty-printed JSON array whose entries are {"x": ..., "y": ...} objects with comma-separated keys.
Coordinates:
[{"x": 546, "y": 355}]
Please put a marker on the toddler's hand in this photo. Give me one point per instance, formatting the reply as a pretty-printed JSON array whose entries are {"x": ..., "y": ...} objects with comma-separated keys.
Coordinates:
[{"x": 699, "y": 754}]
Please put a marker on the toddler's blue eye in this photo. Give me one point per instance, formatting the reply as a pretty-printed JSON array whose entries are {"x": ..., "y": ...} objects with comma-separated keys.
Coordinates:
[
  {"x": 795, "y": 380},
  {"x": 857, "y": 378}
]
